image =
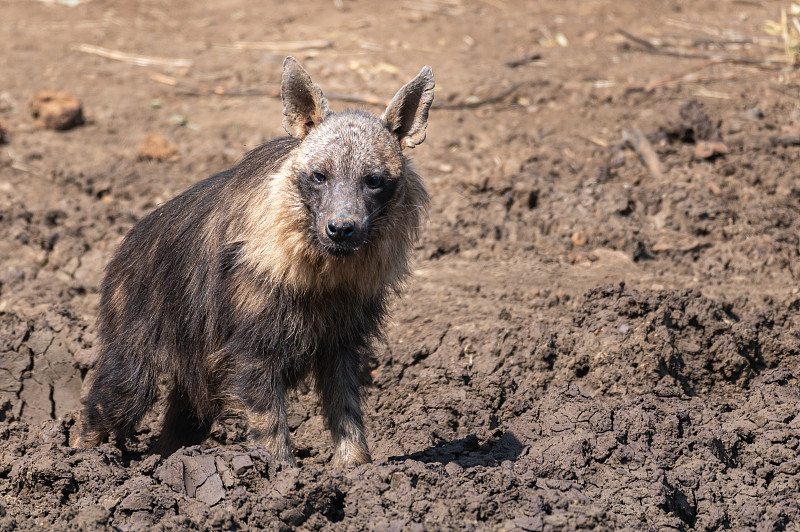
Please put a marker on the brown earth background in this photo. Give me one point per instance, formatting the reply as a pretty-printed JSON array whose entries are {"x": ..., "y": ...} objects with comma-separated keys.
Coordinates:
[{"x": 586, "y": 343}]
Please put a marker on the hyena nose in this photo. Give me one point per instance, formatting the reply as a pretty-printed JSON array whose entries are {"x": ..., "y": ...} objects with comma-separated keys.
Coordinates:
[{"x": 340, "y": 230}]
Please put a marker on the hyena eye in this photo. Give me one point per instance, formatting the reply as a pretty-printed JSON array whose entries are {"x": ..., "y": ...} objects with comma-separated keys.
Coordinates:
[
  {"x": 319, "y": 178},
  {"x": 374, "y": 181}
]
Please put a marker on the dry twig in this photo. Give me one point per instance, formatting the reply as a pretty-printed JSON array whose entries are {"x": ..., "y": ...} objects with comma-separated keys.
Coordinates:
[
  {"x": 657, "y": 47},
  {"x": 133, "y": 59},
  {"x": 596, "y": 141},
  {"x": 16, "y": 164},
  {"x": 518, "y": 62},
  {"x": 680, "y": 75},
  {"x": 205, "y": 90},
  {"x": 644, "y": 150},
  {"x": 193, "y": 89},
  {"x": 689, "y": 75},
  {"x": 479, "y": 102},
  {"x": 786, "y": 141},
  {"x": 279, "y": 46}
]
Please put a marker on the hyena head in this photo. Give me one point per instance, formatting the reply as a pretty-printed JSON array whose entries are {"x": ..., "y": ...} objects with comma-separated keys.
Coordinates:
[{"x": 351, "y": 175}]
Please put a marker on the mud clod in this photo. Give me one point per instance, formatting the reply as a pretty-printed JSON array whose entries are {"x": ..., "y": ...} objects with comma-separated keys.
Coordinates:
[
  {"x": 56, "y": 110},
  {"x": 156, "y": 146}
]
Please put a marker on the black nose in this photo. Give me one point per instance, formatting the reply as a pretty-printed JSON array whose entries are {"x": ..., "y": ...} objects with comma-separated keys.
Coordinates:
[{"x": 340, "y": 230}]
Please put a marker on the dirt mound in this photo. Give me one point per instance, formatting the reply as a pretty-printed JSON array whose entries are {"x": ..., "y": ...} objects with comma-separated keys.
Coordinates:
[
  {"x": 674, "y": 463},
  {"x": 674, "y": 342},
  {"x": 671, "y": 462}
]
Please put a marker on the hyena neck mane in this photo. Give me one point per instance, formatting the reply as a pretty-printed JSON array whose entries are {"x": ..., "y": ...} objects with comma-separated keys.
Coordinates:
[{"x": 279, "y": 229}]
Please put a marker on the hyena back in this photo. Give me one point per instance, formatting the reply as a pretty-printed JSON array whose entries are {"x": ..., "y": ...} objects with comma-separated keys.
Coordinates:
[{"x": 277, "y": 268}]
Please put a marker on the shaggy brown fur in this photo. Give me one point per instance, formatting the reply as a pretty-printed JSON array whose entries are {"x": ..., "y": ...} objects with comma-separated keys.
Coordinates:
[{"x": 263, "y": 274}]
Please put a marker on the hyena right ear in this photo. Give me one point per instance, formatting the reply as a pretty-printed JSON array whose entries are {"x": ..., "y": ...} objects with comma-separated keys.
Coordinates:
[
  {"x": 304, "y": 106},
  {"x": 407, "y": 114}
]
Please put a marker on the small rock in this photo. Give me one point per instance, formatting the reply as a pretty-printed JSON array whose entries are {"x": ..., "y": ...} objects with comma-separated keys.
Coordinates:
[
  {"x": 293, "y": 516},
  {"x": 396, "y": 479},
  {"x": 138, "y": 500},
  {"x": 446, "y": 168},
  {"x": 3, "y": 132},
  {"x": 666, "y": 387},
  {"x": 672, "y": 242},
  {"x": 241, "y": 463},
  {"x": 56, "y": 110},
  {"x": 109, "y": 501},
  {"x": 529, "y": 523},
  {"x": 149, "y": 464},
  {"x": 225, "y": 472},
  {"x": 212, "y": 491},
  {"x": 197, "y": 470},
  {"x": 157, "y": 147},
  {"x": 705, "y": 149},
  {"x": 578, "y": 238},
  {"x": 54, "y": 432},
  {"x": 753, "y": 113},
  {"x": 734, "y": 126},
  {"x": 93, "y": 517},
  {"x": 453, "y": 469},
  {"x": 171, "y": 473},
  {"x": 190, "y": 506}
]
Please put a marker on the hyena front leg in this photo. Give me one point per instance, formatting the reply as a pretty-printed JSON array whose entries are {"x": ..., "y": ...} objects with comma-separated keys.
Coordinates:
[
  {"x": 183, "y": 425},
  {"x": 266, "y": 415},
  {"x": 339, "y": 387}
]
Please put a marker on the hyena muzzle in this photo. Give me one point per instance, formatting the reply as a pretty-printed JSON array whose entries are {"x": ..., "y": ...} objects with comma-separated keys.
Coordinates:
[{"x": 278, "y": 268}]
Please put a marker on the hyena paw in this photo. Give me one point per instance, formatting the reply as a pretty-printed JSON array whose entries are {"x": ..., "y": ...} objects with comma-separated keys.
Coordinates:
[
  {"x": 282, "y": 455},
  {"x": 85, "y": 440},
  {"x": 351, "y": 455}
]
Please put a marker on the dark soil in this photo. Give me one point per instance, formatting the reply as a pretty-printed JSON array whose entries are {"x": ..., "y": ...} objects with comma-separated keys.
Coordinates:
[{"x": 582, "y": 346}]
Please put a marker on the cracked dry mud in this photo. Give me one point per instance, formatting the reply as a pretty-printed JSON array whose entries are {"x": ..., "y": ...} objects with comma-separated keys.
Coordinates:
[{"x": 582, "y": 346}]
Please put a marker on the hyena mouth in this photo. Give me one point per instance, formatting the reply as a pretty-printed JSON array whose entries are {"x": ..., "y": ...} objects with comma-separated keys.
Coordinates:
[{"x": 339, "y": 250}]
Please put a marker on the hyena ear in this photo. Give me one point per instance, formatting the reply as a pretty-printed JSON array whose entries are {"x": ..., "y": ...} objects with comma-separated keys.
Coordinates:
[
  {"x": 304, "y": 106},
  {"x": 407, "y": 114}
]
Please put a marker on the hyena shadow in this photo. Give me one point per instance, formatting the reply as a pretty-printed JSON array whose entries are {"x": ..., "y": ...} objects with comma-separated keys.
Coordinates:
[{"x": 469, "y": 451}]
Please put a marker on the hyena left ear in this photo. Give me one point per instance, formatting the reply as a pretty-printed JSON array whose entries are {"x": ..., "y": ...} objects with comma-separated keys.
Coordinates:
[
  {"x": 304, "y": 106},
  {"x": 407, "y": 114}
]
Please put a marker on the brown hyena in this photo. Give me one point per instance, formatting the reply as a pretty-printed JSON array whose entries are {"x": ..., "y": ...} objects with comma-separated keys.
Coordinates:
[{"x": 278, "y": 268}]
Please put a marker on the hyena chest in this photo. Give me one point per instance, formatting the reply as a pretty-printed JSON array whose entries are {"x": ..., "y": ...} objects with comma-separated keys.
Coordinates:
[{"x": 294, "y": 332}]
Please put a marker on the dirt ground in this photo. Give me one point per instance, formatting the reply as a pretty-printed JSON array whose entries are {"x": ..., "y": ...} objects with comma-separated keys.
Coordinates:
[{"x": 586, "y": 343}]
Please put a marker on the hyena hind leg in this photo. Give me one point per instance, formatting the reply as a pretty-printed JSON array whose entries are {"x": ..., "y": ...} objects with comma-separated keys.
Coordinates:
[
  {"x": 83, "y": 438},
  {"x": 120, "y": 395},
  {"x": 182, "y": 425}
]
